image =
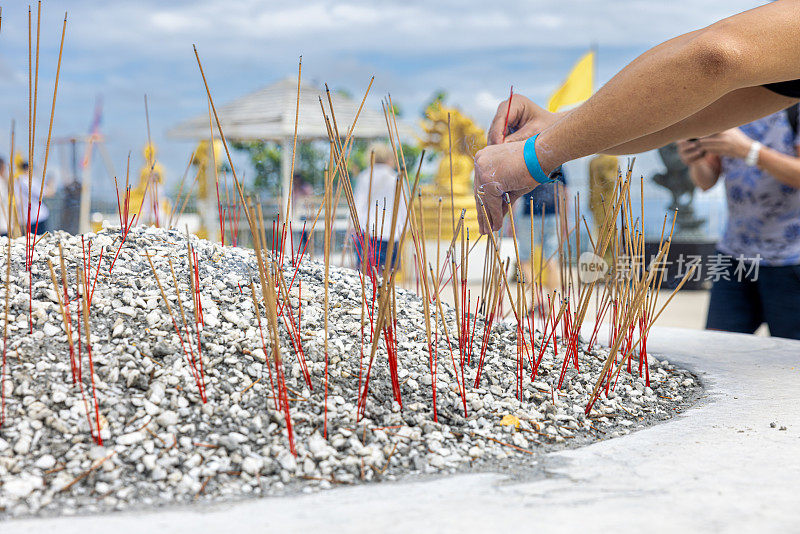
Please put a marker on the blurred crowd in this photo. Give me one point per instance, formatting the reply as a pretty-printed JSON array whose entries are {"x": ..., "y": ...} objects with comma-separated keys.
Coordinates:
[{"x": 20, "y": 184}]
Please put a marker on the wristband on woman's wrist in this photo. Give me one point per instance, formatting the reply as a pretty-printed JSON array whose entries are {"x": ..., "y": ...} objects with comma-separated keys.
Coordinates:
[
  {"x": 532, "y": 162},
  {"x": 751, "y": 159}
]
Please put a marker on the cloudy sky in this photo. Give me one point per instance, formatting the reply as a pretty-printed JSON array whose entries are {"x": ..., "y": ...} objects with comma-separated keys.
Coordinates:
[{"x": 473, "y": 50}]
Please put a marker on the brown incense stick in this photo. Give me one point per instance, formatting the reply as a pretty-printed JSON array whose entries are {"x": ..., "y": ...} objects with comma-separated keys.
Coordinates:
[
  {"x": 180, "y": 188},
  {"x": 450, "y": 157},
  {"x": 52, "y": 114},
  {"x": 327, "y": 258},
  {"x": 497, "y": 257},
  {"x": 294, "y": 143}
]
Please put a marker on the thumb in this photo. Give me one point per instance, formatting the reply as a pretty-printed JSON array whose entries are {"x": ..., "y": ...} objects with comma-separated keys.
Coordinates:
[
  {"x": 519, "y": 135},
  {"x": 529, "y": 130},
  {"x": 495, "y": 135}
]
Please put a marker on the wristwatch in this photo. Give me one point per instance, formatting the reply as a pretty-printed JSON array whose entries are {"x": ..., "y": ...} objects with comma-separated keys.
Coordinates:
[{"x": 751, "y": 159}]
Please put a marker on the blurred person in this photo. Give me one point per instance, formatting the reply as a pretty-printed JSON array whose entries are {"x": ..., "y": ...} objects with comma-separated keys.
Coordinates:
[
  {"x": 302, "y": 192},
  {"x": 69, "y": 193},
  {"x": 758, "y": 278},
  {"x": 374, "y": 190},
  {"x": 15, "y": 215},
  {"x": 727, "y": 74},
  {"x": 4, "y": 211},
  {"x": 545, "y": 234},
  {"x": 22, "y": 203},
  {"x": 11, "y": 217},
  {"x": 301, "y": 208},
  {"x": 353, "y": 167}
]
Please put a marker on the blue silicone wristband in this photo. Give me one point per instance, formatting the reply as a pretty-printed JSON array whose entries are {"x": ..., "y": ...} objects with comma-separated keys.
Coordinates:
[{"x": 532, "y": 161}]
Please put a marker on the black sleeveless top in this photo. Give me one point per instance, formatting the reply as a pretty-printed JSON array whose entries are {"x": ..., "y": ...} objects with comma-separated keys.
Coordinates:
[{"x": 790, "y": 88}]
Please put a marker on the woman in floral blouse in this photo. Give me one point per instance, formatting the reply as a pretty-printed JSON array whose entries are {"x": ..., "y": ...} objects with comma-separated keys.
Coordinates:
[{"x": 761, "y": 244}]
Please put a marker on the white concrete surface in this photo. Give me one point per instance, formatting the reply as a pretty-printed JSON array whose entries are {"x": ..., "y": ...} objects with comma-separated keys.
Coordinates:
[{"x": 718, "y": 467}]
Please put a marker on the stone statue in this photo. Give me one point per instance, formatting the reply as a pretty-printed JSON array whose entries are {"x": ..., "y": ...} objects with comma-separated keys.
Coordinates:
[{"x": 676, "y": 179}]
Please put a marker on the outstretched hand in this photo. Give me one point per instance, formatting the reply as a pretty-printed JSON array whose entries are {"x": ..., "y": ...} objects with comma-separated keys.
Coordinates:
[
  {"x": 525, "y": 119},
  {"x": 732, "y": 143},
  {"x": 690, "y": 151},
  {"x": 499, "y": 169}
]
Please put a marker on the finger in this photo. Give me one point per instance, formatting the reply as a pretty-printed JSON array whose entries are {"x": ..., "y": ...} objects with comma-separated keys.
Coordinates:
[
  {"x": 493, "y": 204},
  {"x": 482, "y": 222},
  {"x": 496, "y": 130},
  {"x": 495, "y": 135},
  {"x": 506, "y": 116},
  {"x": 707, "y": 144},
  {"x": 697, "y": 152},
  {"x": 691, "y": 153},
  {"x": 711, "y": 147},
  {"x": 529, "y": 130},
  {"x": 497, "y": 222},
  {"x": 689, "y": 148}
]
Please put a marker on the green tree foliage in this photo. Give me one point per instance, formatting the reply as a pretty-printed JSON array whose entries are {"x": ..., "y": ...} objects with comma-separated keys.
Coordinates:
[
  {"x": 310, "y": 161},
  {"x": 312, "y": 157},
  {"x": 265, "y": 156},
  {"x": 437, "y": 99}
]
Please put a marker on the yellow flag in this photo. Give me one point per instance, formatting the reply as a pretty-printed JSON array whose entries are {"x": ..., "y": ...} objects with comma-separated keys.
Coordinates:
[{"x": 578, "y": 85}]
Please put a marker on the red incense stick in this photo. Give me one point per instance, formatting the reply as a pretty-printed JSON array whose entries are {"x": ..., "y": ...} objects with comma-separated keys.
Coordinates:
[{"x": 508, "y": 112}]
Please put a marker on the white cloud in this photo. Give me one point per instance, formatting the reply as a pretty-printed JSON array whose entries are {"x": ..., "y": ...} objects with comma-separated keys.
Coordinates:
[{"x": 487, "y": 102}]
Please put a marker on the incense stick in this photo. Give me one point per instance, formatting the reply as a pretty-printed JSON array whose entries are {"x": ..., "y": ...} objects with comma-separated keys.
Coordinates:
[
  {"x": 50, "y": 126},
  {"x": 294, "y": 142}
]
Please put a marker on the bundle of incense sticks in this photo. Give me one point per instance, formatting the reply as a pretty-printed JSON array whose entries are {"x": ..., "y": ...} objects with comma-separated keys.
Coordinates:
[
  {"x": 10, "y": 192},
  {"x": 567, "y": 308},
  {"x": 546, "y": 319},
  {"x": 83, "y": 297},
  {"x": 31, "y": 228}
]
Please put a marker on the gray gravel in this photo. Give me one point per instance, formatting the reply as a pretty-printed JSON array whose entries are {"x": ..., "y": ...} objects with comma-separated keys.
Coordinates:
[{"x": 162, "y": 445}]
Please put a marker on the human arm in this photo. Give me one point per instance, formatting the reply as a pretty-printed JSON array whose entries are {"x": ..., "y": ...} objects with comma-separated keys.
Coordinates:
[
  {"x": 733, "y": 143},
  {"x": 783, "y": 167},
  {"x": 737, "y": 107},
  {"x": 665, "y": 87},
  {"x": 680, "y": 78},
  {"x": 733, "y": 109}
]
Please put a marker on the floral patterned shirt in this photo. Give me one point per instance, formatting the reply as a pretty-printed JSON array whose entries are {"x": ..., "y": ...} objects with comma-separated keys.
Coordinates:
[{"x": 763, "y": 213}]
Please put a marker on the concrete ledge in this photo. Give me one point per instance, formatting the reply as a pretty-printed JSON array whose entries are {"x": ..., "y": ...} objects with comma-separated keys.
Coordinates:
[{"x": 719, "y": 467}]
